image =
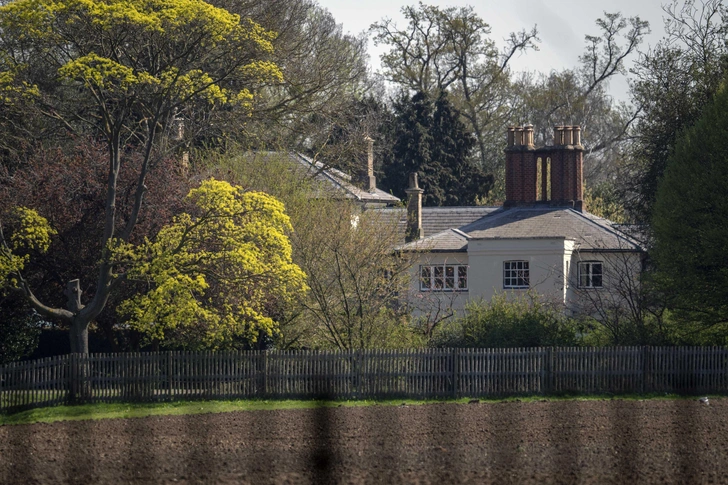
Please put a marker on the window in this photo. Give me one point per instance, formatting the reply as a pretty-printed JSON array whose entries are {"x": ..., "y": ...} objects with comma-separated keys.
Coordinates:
[
  {"x": 590, "y": 274},
  {"x": 444, "y": 277},
  {"x": 515, "y": 274}
]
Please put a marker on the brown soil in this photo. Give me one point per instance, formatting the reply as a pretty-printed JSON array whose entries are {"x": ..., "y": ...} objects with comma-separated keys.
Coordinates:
[{"x": 609, "y": 441}]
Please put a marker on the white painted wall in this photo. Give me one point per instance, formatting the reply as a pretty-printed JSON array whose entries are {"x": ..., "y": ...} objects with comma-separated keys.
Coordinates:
[
  {"x": 547, "y": 259},
  {"x": 553, "y": 264},
  {"x": 432, "y": 302}
]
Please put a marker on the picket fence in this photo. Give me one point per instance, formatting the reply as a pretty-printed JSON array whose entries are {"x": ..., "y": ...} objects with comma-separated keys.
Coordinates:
[{"x": 423, "y": 373}]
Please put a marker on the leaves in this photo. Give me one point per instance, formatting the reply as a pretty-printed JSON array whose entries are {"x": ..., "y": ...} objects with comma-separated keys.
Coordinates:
[
  {"x": 212, "y": 273},
  {"x": 29, "y": 231}
]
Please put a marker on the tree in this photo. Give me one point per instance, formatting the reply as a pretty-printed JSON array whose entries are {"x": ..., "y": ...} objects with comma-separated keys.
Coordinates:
[
  {"x": 579, "y": 96},
  {"x": 355, "y": 279},
  {"x": 20, "y": 329},
  {"x": 429, "y": 138},
  {"x": 691, "y": 217},
  {"x": 67, "y": 187},
  {"x": 125, "y": 71},
  {"x": 672, "y": 83},
  {"x": 449, "y": 50},
  {"x": 214, "y": 273}
]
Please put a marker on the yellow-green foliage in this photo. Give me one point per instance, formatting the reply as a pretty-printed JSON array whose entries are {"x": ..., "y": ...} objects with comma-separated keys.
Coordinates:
[
  {"x": 161, "y": 45},
  {"x": 28, "y": 230},
  {"x": 214, "y": 274}
]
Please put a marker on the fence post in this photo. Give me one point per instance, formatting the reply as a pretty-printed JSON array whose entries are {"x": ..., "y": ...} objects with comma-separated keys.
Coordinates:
[
  {"x": 170, "y": 375},
  {"x": 645, "y": 367},
  {"x": 548, "y": 367},
  {"x": 455, "y": 372},
  {"x": 263, "y": 373},
  {"x": 357, "y": 373}
]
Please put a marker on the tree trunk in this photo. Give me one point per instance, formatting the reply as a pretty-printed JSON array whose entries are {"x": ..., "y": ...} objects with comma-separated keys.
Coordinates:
[
  {"x": 79, "y": 337},
  {"x": 79, "y": 324}
]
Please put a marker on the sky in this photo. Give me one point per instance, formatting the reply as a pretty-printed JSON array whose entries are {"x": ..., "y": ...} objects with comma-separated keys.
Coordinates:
[{"x": 562, "y": 25}]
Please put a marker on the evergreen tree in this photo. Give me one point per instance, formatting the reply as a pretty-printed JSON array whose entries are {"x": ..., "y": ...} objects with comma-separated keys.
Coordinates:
[
  {"x": 690, "y": 220},
  {"x": 429, "y": 138},
  {"x": 461, "y": 180}
]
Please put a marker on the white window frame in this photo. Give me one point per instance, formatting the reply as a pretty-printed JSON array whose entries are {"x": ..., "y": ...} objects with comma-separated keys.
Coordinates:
[
  {"x": 513, "y": 272},
  {"x": 589, "y": 274},
  {"x": 443, "y": 277}
]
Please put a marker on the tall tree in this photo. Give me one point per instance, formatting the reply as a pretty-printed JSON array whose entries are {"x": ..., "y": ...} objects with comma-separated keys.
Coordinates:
[
  {"x": 450, "y": 49},
  {"x": 579, "y": 96},
  {"x": 690, "y": 220},
  {"x": 125, "y": 71},
  {"x": 672, "y": 84},
  {"x": 429, "y": 137}
]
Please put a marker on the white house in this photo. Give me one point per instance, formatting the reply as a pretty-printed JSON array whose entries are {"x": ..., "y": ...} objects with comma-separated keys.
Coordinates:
[{"x": 541, "y": 239}]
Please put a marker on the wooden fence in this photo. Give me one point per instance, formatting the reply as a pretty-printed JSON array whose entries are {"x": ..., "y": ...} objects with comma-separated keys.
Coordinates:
[{"x": 427, "y": 373}]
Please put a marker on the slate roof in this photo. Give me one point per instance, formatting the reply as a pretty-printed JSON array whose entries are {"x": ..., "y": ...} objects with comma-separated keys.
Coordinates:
[
  {"x": 335, "y": 183},
  {"x": 448, "y": 241},
  {"x": 341, "y": 182},
  {"x": 438, "y": 219},
  {"x": 591, "y": 233}
]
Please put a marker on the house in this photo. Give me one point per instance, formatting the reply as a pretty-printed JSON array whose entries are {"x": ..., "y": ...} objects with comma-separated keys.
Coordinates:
[
  {"x": 333, "y": 183},
  {"x": 542, "y": 239}
]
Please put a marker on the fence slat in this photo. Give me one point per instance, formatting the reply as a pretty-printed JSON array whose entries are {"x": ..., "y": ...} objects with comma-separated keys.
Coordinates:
[{"x": 422, "y": 373}]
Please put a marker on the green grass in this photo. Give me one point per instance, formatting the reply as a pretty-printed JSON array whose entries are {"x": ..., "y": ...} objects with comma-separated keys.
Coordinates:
[{"x": 139, "y": 410}]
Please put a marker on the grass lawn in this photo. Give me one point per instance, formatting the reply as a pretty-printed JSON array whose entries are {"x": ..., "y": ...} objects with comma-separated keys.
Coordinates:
[{"x": 139, "y": 410}]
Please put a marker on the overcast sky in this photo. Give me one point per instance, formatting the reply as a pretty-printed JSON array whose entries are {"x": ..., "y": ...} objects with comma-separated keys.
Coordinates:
[{"x": 562, "y": 25}]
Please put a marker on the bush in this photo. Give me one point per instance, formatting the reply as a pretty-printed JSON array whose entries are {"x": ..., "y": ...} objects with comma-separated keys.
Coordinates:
[
  {"x": 19, "y": 330},
  {"x": 525, "y": 321}
]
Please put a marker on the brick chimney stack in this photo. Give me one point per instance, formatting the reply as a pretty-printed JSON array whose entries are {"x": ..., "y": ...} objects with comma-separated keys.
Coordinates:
[
  {"x": 521, "y": 170},
  {"x": 370, "y": 180},
  {"x": 414, "y": 209},
  {"x": 566, "y": 168}
]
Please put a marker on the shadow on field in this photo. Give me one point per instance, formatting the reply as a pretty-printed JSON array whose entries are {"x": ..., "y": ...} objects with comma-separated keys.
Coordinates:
[{"x": 323, "y": 456}]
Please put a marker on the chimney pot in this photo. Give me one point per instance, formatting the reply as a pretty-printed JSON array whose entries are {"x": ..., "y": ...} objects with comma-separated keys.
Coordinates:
[
  {"x": 568, "y": 135},
  {"x": 510, "y": 135},
  {"x": 528, "y": 135},
  {"x": 519, "y": 135},
  {"x": 558, "y": 135},
  {"x": 576, "y": 134}
]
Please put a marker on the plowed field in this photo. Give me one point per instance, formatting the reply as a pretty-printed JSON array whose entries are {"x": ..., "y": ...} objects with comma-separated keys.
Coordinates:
[{"x": 608, "y": 441}]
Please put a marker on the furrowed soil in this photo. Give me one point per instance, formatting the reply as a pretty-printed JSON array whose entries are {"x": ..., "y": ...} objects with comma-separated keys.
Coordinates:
[{"x": 608, "y": 441}]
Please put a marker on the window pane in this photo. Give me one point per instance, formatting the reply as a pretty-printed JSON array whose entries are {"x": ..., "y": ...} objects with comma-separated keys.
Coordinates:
[
  {"x": 450, "y": 276},
  {"x": 515, "y": 274},
  {"x": 439, "y": 280},
  {"x": 425, "y": 277},
  {"x": 462, "y": 277}
]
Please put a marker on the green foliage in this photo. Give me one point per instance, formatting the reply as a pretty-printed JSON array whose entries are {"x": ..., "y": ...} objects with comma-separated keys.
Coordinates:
[
  {"x": 19, "y": 330},
  {"x": 429, "y": 138},
  {"x": 450, "y": 49},
  {"x": 353, "y": 276},
  {"x": 602, "y": 200},
  {"x": 522, "y": 321},
  {"x": 213, "y": 273},
  {"x": 28, "y": 231},
  {"x": 672, "y": 84},
  {"x": 690, "y": 220}
]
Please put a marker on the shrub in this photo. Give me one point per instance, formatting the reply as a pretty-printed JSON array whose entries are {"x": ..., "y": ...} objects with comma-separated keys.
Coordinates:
[{"x": 525, "y": 321}]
